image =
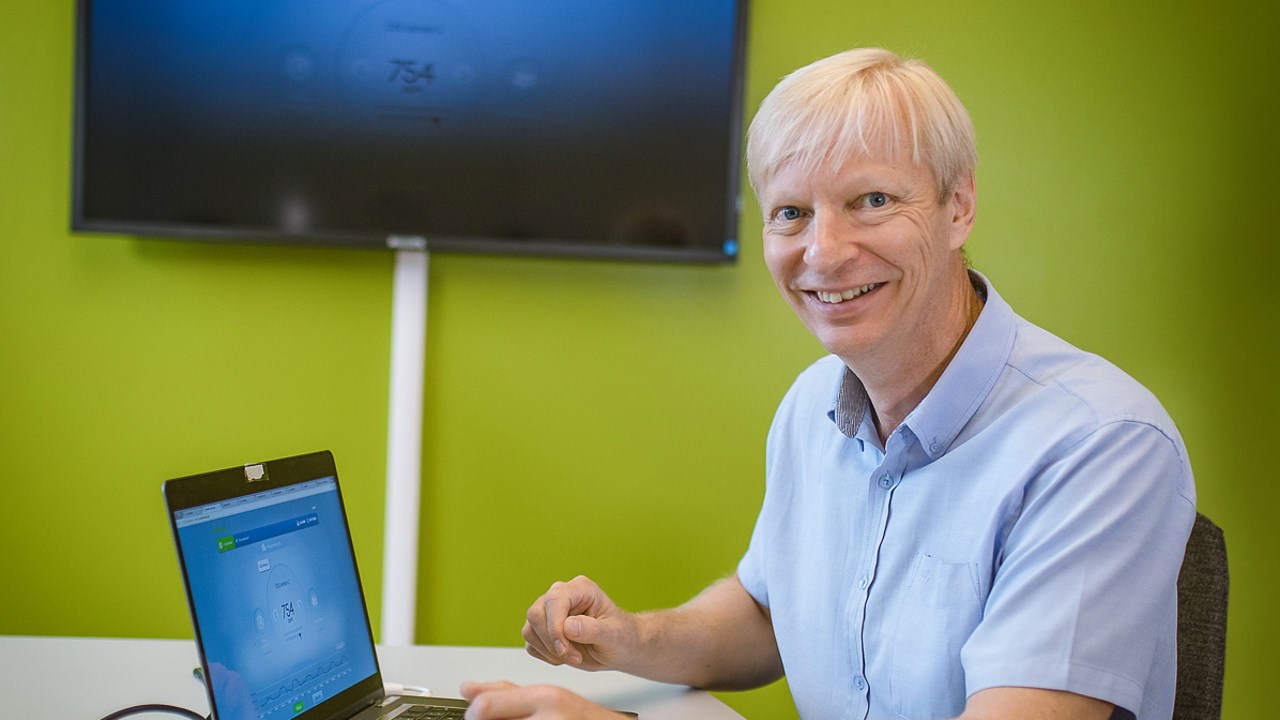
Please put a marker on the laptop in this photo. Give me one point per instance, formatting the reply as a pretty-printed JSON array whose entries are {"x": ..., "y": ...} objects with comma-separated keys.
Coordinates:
[{"x": 276, "y": 602}]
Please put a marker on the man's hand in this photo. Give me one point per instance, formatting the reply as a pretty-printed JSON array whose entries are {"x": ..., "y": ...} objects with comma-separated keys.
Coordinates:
[
  {"x": 720, "y": 640},
  {"x": 576, "y": 623},
  {"x": 507, "y": 701}
]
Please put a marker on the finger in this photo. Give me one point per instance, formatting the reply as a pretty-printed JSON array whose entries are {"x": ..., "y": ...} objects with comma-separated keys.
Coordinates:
[
  {"x": 538, "y": 632},
  {"x": 555, "y": 612},
  {"x": 589, "y": 635},
  {"x": 544, "y": 657},
  {"x": 504, "y": 701},
  {"x": 509, "y": 702},
  {"x": 582, "y": 630},
  {"x": 536, "y": 647},
  {"x": 471, "y": 689}
]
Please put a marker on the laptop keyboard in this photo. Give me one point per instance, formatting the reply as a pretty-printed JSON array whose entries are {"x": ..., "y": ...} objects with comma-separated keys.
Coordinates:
[{"x": 432, "y": 712}]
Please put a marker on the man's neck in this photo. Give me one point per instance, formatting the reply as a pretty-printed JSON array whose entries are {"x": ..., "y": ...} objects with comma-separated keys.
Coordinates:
[{"x": 898, "y": 379}]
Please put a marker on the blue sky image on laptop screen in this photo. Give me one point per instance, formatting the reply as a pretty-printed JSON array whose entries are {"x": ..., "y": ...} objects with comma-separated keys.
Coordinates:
[{"x": 281, "y": 617}]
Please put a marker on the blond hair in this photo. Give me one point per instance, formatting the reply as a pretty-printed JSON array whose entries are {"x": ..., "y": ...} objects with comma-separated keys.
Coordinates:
[{"x": 866, "y": 101}]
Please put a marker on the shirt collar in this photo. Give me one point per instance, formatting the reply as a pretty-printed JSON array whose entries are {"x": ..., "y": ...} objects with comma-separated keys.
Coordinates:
[{"x": 961, "y": 389}]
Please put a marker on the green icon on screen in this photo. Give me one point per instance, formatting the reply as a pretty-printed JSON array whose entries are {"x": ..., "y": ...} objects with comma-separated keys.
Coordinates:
[
  {"x": 299, "y": 707},
  {"x": 226, "y": 543}
]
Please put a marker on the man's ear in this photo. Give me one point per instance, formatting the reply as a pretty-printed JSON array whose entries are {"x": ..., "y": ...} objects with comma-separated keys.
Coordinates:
[{"x": 963, "y": 202}]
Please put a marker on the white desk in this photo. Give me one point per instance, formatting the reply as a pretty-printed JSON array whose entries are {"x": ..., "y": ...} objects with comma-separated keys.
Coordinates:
[{"x": 87, "y": 678}]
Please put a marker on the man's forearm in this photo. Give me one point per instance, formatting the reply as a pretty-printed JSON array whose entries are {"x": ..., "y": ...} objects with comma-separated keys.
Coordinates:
[
  {"x": 1018, "y": 703},
  {"x": 720, "y": 640}
]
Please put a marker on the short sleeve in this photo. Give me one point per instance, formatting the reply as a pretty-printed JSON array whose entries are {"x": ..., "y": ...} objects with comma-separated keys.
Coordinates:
[
  {"x": 1084, "y": 597},
  {"x": 799, "y": 413},
  {"x": 751, "y": 569}
]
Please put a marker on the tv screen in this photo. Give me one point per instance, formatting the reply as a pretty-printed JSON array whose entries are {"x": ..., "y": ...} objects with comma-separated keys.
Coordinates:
[{"x": 593, "y": 128}]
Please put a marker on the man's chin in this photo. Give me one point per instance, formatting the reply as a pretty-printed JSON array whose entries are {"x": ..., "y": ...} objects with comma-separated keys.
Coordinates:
[{"x": 848, "y": 346}]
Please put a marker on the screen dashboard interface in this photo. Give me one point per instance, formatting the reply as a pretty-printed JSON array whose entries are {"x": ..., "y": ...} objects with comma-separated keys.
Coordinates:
[{"x": 278, "y": 605}]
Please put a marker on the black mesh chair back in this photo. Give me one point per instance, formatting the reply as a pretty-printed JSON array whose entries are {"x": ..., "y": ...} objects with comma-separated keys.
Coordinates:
[{"x": 1202, "y": 624}]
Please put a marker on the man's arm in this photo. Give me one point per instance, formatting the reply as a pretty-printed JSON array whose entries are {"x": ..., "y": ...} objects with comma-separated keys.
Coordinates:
[
  {"x": 1015, "y": 703},
  {"x": 721, "y": 639}
]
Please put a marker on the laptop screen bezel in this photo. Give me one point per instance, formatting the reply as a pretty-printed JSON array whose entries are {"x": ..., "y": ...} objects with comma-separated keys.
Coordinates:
[{"x": 220, "y": 485}]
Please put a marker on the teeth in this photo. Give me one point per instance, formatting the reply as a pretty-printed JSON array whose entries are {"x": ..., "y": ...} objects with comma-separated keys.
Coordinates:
[{"x": 830, "y": 297}]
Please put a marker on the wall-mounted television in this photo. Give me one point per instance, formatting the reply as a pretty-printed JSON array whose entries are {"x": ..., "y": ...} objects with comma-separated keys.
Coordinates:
[{"x": 589, "y": 128}]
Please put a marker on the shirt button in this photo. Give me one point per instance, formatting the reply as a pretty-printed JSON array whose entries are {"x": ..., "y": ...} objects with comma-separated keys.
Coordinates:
[
  {"x": 935, "y": 447},
  {"x": 863, "y": 582},
  {"x": 886, "y": 481},
  {"x": 860, "y": 683}
]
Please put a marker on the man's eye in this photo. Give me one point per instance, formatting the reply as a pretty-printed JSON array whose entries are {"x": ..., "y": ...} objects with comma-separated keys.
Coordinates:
[
  {"x": 788, "y": 213},
  {"x": 876, "y": 199}
]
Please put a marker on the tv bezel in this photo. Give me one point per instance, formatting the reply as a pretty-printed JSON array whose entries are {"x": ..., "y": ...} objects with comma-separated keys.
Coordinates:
[{"x": 470, "y": 245}]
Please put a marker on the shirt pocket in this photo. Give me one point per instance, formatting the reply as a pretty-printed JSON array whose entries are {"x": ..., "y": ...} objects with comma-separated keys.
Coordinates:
[{"x": 938, "y": 611}]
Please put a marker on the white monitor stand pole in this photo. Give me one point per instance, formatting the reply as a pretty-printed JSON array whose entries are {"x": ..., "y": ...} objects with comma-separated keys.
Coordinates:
[{"x": 404, "y": 441}]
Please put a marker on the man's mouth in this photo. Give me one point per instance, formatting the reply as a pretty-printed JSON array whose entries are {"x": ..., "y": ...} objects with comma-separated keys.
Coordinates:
[{"x": 839, "y": 297}]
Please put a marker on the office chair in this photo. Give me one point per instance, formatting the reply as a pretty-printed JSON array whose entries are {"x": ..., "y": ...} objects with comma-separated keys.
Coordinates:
[{"x": 1202, "y": 624}]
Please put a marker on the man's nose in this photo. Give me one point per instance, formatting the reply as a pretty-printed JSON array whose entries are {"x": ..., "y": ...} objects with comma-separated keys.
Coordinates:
[{"x": 832, "y": 242}]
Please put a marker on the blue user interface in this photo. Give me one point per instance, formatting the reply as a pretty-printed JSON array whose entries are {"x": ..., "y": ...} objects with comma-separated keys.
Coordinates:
[{"x": 277, "y": 600}]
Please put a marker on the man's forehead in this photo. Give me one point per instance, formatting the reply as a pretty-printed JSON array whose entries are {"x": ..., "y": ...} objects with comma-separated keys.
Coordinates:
[{"x": 854, "y": 169}]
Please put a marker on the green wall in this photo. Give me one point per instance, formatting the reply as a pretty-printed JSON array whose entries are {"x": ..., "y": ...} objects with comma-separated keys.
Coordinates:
[{"x": 608, "y": 418}]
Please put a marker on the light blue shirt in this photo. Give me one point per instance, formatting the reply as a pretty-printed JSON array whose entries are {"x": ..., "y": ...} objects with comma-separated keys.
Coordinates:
[{"x": 1023, "y": 527}]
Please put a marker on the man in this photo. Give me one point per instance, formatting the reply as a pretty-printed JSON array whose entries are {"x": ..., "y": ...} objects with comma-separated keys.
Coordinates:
[{"x": 964, "y": 516}]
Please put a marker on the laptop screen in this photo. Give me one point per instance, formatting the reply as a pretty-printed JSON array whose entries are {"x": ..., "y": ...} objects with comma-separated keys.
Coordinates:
[{"x": 276, "y": 599}]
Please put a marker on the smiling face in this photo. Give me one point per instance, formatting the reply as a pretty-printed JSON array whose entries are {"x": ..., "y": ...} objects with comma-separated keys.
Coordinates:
[{"x": 869, "y": 257}]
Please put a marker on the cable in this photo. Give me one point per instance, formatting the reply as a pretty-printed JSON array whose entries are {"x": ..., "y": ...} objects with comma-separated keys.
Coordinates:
[{"x": 155, "y": 708}]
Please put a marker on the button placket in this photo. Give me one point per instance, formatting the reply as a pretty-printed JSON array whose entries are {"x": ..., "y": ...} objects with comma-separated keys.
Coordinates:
[{"x": 886, "y": 480}]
